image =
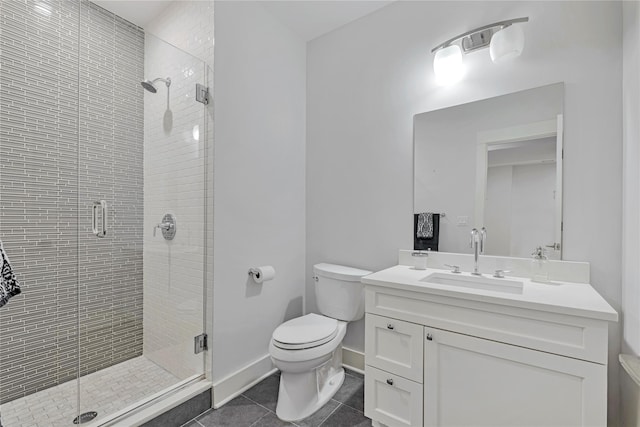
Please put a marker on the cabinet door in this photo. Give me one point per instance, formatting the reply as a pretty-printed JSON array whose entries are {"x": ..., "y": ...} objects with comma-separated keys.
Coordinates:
[
  {"x": 391, "y": 399},
  {"x": 394, "y": 346},
  {"x": 476, "y": 382}
]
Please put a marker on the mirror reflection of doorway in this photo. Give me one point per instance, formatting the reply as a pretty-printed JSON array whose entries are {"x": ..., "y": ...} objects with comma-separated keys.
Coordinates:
[
  {"x": 522, "y": 172},
  {"x": 520, "y": 200}
]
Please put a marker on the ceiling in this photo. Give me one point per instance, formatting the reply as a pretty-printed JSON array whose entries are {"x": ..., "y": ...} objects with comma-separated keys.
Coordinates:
[{"x": 307, "y": 18}]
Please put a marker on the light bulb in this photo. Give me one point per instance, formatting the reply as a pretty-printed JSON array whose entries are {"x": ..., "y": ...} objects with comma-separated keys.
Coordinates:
[
  {"x": 507, "y": 43},
  {"x": 447, "y": 64}
]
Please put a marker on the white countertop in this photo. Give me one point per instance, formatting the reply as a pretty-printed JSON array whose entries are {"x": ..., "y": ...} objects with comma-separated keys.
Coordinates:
[{"x": 576, "y": 299}]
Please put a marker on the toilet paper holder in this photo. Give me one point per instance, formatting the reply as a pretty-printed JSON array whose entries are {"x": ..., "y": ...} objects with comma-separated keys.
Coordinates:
[{"x": 262, "y": 274}]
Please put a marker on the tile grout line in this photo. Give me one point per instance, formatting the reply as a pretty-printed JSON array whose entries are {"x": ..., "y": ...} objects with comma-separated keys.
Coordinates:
[
  {"x": 336, "y": 408},
  {"x": 351, "y": 407},
  {"x": 291, "y": 422},
  {"x": 269, "y": 411},
  {"x": 256, "y": 421},
  {"x": 195, "y": 420},
  {"x": 199, "y": 416},
  {"x": 260, "y": 405}
]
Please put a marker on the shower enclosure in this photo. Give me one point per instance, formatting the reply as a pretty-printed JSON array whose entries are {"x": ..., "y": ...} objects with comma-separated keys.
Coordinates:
[{"x": 103, "y": 213}]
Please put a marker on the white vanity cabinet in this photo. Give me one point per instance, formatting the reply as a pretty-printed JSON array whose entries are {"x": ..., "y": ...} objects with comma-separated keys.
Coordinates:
[
  {"x": 471, "y": 381},
  {"x": 394, "y": 372},
  {"x": 434, "y": 359}
]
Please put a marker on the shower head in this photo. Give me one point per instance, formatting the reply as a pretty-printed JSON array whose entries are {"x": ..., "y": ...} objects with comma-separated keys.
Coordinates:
[{"x": 149, "y": 84}]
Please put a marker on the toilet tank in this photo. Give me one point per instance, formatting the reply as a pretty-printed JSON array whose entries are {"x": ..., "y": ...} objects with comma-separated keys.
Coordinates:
[{"x": 339, "y": 292}]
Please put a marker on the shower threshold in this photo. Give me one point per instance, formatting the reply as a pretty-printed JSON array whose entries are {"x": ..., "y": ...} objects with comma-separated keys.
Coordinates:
[{"x": 157, "y": 404}]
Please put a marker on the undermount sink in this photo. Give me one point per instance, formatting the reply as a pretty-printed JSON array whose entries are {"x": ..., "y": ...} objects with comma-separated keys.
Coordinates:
[{"x": 475, "y": 282}]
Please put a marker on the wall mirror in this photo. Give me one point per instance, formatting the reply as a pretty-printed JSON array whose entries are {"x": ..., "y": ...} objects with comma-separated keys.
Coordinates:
[{"x": 494, "y": 163}]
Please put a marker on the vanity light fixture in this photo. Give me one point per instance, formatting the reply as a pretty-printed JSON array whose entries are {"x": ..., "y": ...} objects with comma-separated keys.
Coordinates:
[
  {"x": 447, "y": 64},
  {"x": 504, "y": 39}
]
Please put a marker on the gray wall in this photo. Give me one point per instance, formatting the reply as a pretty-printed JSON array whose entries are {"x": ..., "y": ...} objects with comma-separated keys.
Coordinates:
[{"x": 71, "y": 132}]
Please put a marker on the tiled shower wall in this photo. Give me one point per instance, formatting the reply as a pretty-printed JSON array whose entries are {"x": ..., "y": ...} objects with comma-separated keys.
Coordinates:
[
  {"x": 71, "y": 132},
  {"x": 173, "y": 270},
  {"x": 175, "y": 161},
  {"x": 111, "y": 169}
]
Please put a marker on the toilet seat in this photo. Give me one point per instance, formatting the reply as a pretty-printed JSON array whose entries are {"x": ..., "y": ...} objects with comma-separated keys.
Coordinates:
[{"x": 305, "y": 332}]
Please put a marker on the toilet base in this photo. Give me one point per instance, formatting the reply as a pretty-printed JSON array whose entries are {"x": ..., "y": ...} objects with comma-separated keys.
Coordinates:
[{"x": 299, "y": 397}]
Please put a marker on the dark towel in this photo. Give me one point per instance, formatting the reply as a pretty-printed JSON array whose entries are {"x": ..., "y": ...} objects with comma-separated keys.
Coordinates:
[
  {"x": 9, "y": 286},
  {"x": 427, "y": 244},
  {"x": 425, "y": 225}
]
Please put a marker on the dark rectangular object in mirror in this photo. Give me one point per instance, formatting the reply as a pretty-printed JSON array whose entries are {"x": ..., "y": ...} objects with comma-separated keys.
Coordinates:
[{"x": 426, "y": 244}]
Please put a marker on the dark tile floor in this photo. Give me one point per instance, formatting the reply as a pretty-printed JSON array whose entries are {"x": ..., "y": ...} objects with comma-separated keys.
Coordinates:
[{"x": 256, "y": 408}]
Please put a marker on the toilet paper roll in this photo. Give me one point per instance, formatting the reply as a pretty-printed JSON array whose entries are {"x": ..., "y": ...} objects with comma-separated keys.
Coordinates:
[{"x": 264, "y": 273}]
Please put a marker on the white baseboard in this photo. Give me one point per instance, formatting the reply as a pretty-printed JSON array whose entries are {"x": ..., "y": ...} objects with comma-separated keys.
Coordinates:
[
  {"x": 242, "y": 380},
  {"x": 353, "y": 359}
]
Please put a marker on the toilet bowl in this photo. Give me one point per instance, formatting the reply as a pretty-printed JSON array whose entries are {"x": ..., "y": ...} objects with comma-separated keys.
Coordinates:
[
  {"x": 310, "y": 376},
  {"x": 308, "y": 349}
]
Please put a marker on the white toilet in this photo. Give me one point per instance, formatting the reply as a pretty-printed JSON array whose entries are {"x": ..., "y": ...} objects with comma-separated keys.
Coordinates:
[{"x": 308, "y": 350}]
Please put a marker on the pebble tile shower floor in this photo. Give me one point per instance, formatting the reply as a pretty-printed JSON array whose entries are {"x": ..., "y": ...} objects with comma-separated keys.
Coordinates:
[
  {"x": 256, "y": 408},
  {"x": 105, "y": 391}
]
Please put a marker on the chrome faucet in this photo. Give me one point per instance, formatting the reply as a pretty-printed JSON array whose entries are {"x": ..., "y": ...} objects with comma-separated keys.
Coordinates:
[{"x": 477, "y": 243}]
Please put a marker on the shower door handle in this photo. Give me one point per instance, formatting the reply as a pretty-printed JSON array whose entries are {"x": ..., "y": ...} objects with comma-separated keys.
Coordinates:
[{"x": 94, "y": 218}]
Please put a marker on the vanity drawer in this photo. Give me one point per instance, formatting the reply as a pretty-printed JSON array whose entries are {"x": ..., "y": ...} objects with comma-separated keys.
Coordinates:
[
  {"x": 394, "y": 346},
  {"x": 566, "y": 335},
  {"x": 391, "y": 399}
]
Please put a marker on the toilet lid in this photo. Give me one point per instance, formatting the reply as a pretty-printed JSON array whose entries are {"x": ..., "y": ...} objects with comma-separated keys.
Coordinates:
[{"x": 303, "y": 332}]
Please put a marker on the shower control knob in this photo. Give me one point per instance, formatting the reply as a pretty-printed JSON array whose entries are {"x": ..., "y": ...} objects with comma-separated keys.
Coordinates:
[{"x": 167, "y": 226}]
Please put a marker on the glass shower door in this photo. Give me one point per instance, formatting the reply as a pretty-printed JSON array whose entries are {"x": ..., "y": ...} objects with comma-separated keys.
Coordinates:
[
  {"x": 142, "y": 204},
  {"x": 103, "y": 213}
]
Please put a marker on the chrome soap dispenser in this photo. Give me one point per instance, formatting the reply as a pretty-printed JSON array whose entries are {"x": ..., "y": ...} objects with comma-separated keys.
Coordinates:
[{"x": 539, "y": 266}]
